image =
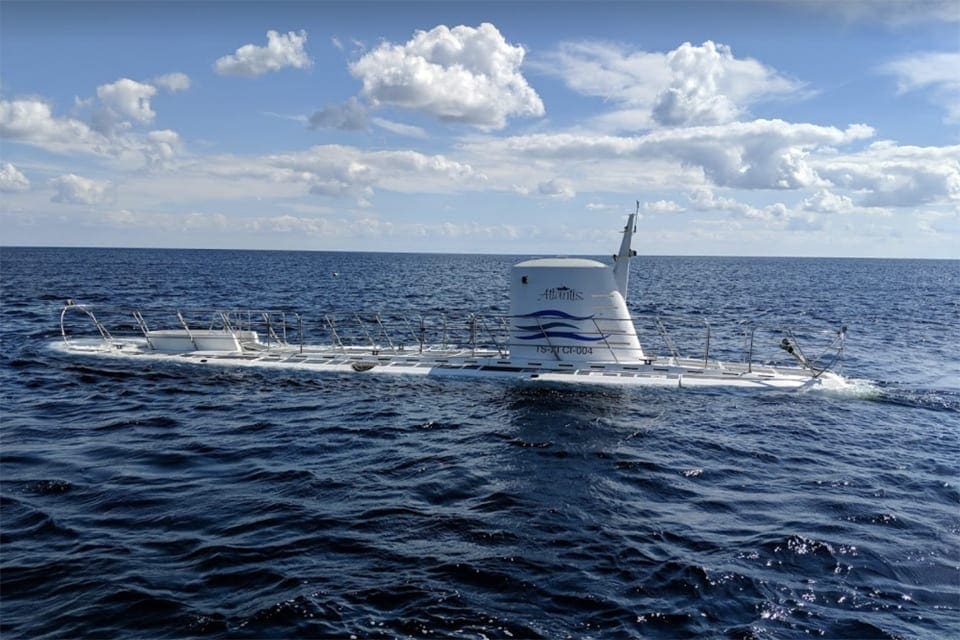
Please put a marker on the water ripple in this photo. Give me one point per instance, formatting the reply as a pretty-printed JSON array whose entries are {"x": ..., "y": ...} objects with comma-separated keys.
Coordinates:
[{"x": 170, "y": 501}]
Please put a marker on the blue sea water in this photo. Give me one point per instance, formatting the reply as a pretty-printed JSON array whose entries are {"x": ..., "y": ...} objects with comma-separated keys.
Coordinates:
[{"x": 168, "y": 500}]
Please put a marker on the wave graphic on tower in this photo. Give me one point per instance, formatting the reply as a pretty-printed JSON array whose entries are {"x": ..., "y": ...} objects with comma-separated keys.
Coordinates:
[{"x": 549, "y": 329}]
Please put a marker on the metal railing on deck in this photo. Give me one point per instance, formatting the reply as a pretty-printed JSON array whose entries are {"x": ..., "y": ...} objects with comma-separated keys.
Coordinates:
[{"x": 480, "y": 334}]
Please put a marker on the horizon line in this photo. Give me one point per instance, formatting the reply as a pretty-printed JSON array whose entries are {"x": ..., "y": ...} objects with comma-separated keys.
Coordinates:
[{"x": 483, "y": 253}]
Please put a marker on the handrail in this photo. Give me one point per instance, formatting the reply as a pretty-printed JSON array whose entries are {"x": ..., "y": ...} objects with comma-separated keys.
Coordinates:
[
  {"x": 104, "y": 332},
  {"x": 483, "y": 334},
  {"x": 546, "y": 335},
  {"x": 337, "y": 342},
  {"x": 603, "y": 336},
  {"x": 138, "y": 316},
  {"x": 187, "y": 329},
  {"x": 706, "y": 350}
]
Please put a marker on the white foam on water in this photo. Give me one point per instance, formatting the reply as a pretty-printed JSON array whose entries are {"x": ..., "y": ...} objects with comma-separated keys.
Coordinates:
[{"x": 848, "y": 388}]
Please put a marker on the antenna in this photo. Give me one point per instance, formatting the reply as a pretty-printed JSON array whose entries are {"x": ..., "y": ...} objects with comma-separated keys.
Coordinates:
[{"x": 621, "y": 266}]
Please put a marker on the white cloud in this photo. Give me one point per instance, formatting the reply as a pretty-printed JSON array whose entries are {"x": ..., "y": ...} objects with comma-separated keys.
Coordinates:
[
  {"x": 762, "y": 154},
  {"x": 708, "y": 85},
  {"x": 74, "y": 189},
  {"x": 125, "y": 100},
  {"x": 889, "y": 175},
  {"x": 399, "y": 128},
  {"x": 161, "y": 147},
  {"x": 282, "y": 50},
  {"x": 894, "y": 13},
  {"x": 934, "y": 71},
  {"x": 663, "y": 207},
  {"x": 32, "y": 121},
  {"x": 11, "y": 179},
  {"x": 296, "y": 117},
  {"x": 349, "y": 116},
  {"x": 194, "y": 221},
  {"x": 824, "y": 201},
  {"x": 173, "y": 82},
  {"x": 703, "y": 199},
  {"x": 465, "y": 74},
  {"x": 600, "y": 206},
  {"x": 702, "y": 84},
  {"x": 556, "y": 188},
  {"x": 608, "y": 71},
  {"x": 370, "y": 226},
  {"x": 348, "y": 172},
  {"x": 940, "y": 223}
]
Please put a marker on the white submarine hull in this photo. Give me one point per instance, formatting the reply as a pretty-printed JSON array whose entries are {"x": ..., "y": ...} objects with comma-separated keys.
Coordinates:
[
  {"x": 569, "y": 323},
  {"x": 436, "y": 362}
]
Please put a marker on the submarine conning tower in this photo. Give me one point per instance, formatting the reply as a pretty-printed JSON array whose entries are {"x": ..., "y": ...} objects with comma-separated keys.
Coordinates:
[{"x": 573, "y": 310}]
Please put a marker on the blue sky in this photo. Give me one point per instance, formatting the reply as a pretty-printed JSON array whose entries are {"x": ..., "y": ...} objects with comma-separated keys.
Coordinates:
[{"x": 742, "y": 128}]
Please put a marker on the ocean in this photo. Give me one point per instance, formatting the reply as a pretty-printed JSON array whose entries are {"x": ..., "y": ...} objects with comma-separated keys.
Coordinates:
[{"x": 167, "y": 500}]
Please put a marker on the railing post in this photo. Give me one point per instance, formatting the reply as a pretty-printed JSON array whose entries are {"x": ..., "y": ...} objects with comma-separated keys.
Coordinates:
[
  {"x": 383, "y": 331},
  {"x": 300, "y": 330},
  {"x": 138, "y": 316},
  {"x": 187, "y": 329},
  {"x": 706, "y": 352},
  {"x": 423, "y": 333},
  {"x": 473, "y": 334},
  {"x": 331, "y": 323},
  {"x": 554, "y": 350},
  {"x": 606, "y": 344}
]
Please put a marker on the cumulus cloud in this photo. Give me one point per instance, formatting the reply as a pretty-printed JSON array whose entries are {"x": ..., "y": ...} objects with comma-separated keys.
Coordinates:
[
  {"x": 608, "y": 71},
  {"x": 663, "y": 207},
  {"x": 340, "y": 171},
  {"x": 74, "y": 189},
  {"x": 125, "y": 100},
  {"x": 556, "y": 188},
  {"x": 824, "y": 201},
  {"x": 601, "y": 206},
  {"x": 465, "y": 74},
  {"x": 161, "y": 147},
  {"x": 32, "y": 121},
  {"x": 173, "y": 82},
  {"x": 703, "y": 199},
  {"x": 702, "y": 84},
  {"x": 762, "y": 154},
  {"x": 708, "y": 85},
  {"x": 933, "y": 71},
  {"x": 349, "y": 116},
  {"x": 11, "y": 179},
  {"x": 282, "y": 50},
  {"x": 889, "y": 175}
]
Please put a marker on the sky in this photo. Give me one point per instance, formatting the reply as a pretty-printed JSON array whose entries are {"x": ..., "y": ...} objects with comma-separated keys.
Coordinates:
[{"x": 762, "y": 128}]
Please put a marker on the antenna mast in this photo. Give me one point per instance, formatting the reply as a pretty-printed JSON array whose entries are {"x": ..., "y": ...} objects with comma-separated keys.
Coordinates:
[{"x": 621, "y": 261}]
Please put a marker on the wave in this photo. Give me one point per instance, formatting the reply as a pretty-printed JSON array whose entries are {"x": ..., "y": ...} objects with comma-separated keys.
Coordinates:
[
  {"x": 569, "y": 335},
  {"x": 554, "y": 313},
  {"x": 545, "y": 326}
]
